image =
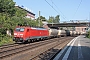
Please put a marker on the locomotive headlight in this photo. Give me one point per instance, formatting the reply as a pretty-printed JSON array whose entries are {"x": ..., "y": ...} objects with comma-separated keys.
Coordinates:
[
  {"x": 21, "y": 35},
  {"x": 15, "y": 33}
]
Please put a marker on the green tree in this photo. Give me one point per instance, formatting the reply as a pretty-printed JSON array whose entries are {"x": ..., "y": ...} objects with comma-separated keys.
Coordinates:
[
  {"x": 20, "y": 12},
  {"x": 41, "y": 17},
  {"x": 51, "y": 19},
  {"x": 7, "y": 7},
  {"x": 10, "y": 16},
  {"x": 57, "y": 19},
  {"x": 39, "y": 21},
  {"x": 54, "y": 19}
]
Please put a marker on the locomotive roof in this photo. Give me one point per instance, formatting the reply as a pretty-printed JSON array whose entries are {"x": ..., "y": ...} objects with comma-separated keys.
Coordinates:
[{"x": 38, "y": 28}]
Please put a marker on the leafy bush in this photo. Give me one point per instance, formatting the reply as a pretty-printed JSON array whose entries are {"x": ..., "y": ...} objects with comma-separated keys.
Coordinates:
[
  {"x": 5, "y": 40},
  {"x": 88, "y": 34},
  {"x": 2, "y": 31}
]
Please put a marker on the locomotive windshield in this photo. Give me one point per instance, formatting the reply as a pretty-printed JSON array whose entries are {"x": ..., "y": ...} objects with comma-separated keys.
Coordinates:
[{"x": 19, "y": 29}]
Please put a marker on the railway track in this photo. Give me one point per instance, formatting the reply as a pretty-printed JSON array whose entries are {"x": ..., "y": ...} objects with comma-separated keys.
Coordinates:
[
  {"x": 53, "y": 51},
  {"x": 8, "y": 45},
  {"x": 11, "y": 50}
]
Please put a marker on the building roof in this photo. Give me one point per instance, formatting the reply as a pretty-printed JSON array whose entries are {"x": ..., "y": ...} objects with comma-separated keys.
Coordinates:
[{"x": 26, "y": 9}]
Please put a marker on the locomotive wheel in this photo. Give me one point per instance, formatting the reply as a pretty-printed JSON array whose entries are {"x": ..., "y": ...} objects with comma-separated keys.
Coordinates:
[{"x": 29, "y": 41}]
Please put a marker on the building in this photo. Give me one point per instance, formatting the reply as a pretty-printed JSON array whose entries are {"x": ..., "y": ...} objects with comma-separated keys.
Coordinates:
[
  {"x": 29, "y": 14},
  {"x": 81, "y": 29}
]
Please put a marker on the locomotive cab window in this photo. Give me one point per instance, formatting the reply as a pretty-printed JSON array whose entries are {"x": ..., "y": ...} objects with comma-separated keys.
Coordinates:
[
  {"x": 22, "y": 29},
  {"x": 19, "y": 29}
]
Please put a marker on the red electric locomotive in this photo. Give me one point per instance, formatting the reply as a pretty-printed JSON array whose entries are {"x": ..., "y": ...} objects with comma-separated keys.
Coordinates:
[{"x": 23, "y": 34}]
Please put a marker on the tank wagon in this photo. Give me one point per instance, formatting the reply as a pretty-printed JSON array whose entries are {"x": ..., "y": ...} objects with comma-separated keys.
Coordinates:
[
  {"x": 53, "y": 33},
  {"x": 57, "y": 33},
  {"x": 72, "y": 33},
  {"x": 68, "y": 33},
  {"x": 61, "y": 33}
]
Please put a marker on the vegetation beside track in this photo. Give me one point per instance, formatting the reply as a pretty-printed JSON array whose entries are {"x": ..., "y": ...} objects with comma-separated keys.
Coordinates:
[
  {"x": 5, "y": 40},
  {"x": 88, "y": 34}
]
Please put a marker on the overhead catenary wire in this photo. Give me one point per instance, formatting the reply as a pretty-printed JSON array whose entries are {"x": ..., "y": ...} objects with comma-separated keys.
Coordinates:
[
  {"x": 77, "y": 8},
  {"x": 52, "y": 6},
  {"x": 59, "y": 10}
]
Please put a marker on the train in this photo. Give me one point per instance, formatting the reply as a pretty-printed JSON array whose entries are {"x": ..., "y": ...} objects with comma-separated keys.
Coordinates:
[{"x": 30, "y": 34}]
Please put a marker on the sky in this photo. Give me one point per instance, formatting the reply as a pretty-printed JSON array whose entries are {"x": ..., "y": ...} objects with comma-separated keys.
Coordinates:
[{"x": 67, "y": 9}]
